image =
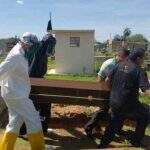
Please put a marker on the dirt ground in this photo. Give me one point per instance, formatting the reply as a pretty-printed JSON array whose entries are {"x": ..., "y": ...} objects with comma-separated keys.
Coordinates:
[
  {"x": 67, "y": 132},
  {"x": 71, "y": 139}
]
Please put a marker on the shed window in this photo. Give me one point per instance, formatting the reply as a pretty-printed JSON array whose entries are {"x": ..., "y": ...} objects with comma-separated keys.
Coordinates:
[{"x": 74, "y": 41}]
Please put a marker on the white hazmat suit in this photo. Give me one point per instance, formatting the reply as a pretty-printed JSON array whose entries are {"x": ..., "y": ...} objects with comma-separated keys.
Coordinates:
[{"x": 15, "y": 90}]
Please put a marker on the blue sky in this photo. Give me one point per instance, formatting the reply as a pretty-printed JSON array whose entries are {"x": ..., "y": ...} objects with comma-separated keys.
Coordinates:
[{"x": 105, "y": 16}]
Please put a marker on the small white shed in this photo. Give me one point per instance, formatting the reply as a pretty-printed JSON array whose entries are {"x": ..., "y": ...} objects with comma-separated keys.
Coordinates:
[{"x": 74, "y": 51}]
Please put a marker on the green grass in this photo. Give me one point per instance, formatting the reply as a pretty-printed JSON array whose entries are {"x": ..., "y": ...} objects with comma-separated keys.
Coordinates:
[
  {"x": 97, "y": 66},
  {"x": 76, "y": 77},
  {"x": 145, "y": 99},
  {"x": 51, "y": 64},
  {"x": 148, "y": 73},
  {"x": 72, "y": 77}
]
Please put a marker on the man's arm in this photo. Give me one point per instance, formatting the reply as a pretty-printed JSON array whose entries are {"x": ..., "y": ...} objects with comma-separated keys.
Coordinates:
[
  {"x": 102, "y": 73},
  {"x": 110, "y": 77},
  {"x": 147, "y": 93},
  {"x": 144, "y": 84},
  {"x": 100, "y": 79}
]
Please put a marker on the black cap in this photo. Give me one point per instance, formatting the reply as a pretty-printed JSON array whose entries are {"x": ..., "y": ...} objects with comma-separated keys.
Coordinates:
[{"x": 135, "y": 53}]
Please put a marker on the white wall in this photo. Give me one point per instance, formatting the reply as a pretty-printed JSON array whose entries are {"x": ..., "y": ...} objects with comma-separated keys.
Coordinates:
[{"x": 74, "y": 59}]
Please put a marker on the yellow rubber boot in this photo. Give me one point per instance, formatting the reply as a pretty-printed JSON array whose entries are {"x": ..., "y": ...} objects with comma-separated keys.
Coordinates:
[
  {"x": 8, "y": 141},
  {"x": 37, "y": 141}
]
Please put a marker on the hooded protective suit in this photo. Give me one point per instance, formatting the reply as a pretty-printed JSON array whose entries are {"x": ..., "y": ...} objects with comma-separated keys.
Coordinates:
[{"x": 15, "y": 90}]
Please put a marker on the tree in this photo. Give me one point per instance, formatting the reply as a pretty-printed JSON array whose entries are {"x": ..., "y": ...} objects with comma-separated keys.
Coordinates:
[
  {"x": 129, "y": 41},
  {"x": 124, "y": 36},
  {"x": 117, "y": 37},
  {"x": 137, "y": 38},
  {"x": 126, "y": 33},
  {"x": 99, "y": 46},
  {"x": 5, "y": 43}
]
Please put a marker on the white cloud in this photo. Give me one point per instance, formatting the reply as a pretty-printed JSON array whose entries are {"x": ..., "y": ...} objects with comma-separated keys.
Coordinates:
[{"x": 20, "y": 2}]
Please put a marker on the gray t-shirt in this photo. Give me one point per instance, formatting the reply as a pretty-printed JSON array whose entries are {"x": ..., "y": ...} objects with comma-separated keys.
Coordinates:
[{"x": 106, "y": 67}]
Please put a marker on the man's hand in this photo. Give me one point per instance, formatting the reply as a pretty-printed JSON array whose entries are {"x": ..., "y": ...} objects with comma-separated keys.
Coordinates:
[
  {"x": 147, "y": 93},
  {"x": 100, "y": 79},
  {"x": 102, "y": 83}
]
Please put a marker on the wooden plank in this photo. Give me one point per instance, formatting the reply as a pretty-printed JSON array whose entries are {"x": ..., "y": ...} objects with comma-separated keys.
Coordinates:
[
  {"x": 69, "y": 84},
  {"x": 69, "y": 88},
  {"x": 72, "y": 100},
  {"x": 69, "y": 92}
]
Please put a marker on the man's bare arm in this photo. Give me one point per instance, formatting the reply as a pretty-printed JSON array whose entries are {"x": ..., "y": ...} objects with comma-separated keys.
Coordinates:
[
  {"x": 107, "y": 81},
  {"x": 147, "y": 93},
  {"x": 100, "y": 79}
]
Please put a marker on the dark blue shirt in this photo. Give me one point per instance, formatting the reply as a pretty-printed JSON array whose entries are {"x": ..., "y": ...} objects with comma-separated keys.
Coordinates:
[{"x": 126, "y": 79}]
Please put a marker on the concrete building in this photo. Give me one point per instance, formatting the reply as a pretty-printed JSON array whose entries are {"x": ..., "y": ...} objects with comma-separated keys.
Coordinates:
[{"x": 74, "y": 51}]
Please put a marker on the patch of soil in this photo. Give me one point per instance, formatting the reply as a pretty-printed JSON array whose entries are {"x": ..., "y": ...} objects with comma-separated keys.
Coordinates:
[
  {"x": 70, "y": 111},
  {"x": 67, "y": 110},
  {"x": 67, "y": 115}
]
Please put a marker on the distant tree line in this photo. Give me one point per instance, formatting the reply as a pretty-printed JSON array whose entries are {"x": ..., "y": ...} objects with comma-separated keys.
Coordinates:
[
  {"x": 5, "y": 43},
  {"x": 125, "y": 37}
]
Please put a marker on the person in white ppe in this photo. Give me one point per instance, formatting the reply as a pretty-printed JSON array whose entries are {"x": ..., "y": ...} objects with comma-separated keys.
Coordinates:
[{"x": 15, "y": 90}]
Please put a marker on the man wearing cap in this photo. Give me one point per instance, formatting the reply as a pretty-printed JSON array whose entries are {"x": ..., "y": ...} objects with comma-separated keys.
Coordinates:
[
  {"x": 15, "y": 90},
  {"x": 106, "y": 67},
  {"x": 125, "y": 81}
]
